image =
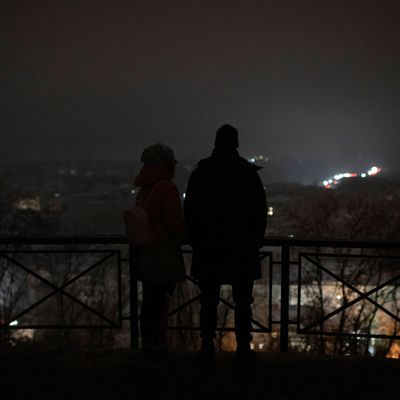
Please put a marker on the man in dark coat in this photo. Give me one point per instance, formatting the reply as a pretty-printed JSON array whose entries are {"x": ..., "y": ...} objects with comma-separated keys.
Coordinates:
[{"x": 225, "y": 210}]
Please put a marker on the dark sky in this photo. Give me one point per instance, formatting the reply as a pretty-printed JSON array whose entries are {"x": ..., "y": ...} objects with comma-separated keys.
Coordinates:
[{"x": 103, "y": 79}]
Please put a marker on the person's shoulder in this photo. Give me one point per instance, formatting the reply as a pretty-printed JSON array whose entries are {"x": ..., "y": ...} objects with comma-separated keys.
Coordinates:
[
  {"x": 166, "y": 186},
  {"x": 204, "y": 163},
  {"x": 202, "y": 167},
  {"x": 169, "y": 190},
  {"x": 169, "y": 184}
]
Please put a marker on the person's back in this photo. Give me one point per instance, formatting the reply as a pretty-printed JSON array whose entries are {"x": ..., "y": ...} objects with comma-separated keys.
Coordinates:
[
  {"x": 225, "y": 201},
  {"x": 225, "y": 211}
]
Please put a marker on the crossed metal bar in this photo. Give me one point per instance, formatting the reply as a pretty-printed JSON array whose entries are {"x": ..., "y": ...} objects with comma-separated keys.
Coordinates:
[
  {"x": 60, "y": 289},
  {"x": 284, "y": 243},
  {"x": 261, "y": 327},
  {"x": 362, "y": 296}
]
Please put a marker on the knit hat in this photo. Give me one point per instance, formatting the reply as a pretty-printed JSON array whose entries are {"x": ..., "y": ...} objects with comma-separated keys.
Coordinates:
[
  {"x": 159, "y": 154},
  {"x": 227, "y": 137}
]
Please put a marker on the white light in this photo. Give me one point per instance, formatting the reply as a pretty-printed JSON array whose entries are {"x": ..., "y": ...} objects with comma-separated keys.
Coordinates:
[
  {"x": 184, "y": 195},
  {"x": 13, "y": 323},
  {"x": 325, "y": 183},
  {"x": 252, "y": 346},
  {"x": 133, "y": 191},
  {"x": 347, "y": 175},
  {"x": 270, "y": 211},
  {"x": 260, "y": 346},
  {"x": 363, "y": 175},
  {"x": 338, "y": 297},
  {"x": 339, "y": 176},
  {"x": 330, "y": 181},
  {"x": 374, "y": 171}
]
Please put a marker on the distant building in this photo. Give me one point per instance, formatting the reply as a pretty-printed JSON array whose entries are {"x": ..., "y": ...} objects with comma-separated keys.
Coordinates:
[{"x": 28, "y": 203}]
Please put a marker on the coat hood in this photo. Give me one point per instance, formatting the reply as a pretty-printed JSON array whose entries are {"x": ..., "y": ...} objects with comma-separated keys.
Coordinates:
[{"x": 151, "y": 174}]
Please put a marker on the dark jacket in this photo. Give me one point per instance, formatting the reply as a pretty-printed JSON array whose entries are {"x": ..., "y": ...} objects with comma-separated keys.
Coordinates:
[{"x": 225, "y": 211}]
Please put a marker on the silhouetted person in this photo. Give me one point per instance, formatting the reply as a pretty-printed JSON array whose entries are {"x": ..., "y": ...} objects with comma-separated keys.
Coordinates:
[
  {"x": 225, "y": 211},
  {"x": 158, "y": 271}
]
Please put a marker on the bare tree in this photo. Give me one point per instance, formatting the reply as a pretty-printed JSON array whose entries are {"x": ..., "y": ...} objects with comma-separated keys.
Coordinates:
[
  {"x": 357, "y": 215},
  {"x": 19, "y": 288}
]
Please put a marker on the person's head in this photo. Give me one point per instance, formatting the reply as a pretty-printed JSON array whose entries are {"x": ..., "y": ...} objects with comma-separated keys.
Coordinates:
[
  {"x": 226, "y": 138},
  {"x": 160, "y": 154}
]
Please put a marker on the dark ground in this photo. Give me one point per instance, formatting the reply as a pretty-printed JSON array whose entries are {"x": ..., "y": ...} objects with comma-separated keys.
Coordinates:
[{"x": 125, "y": 373}]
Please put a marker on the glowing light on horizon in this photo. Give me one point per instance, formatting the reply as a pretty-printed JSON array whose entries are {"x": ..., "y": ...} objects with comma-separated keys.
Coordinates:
[
  {"x": 335, "y": 180},
  {"x": 260, "y": 157},
  {"x": 374, "y": 171}
]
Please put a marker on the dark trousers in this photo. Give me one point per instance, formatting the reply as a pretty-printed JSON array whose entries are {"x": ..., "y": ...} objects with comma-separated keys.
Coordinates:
[
  {"x": 154, "y": 312},
  {"x": 242, "y": 290}
]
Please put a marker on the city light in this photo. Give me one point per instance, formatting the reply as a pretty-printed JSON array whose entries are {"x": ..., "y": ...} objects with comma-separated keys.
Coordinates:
[
  {"x": 373, "y": 171},
  {"x": 335, "y": 180},
  {"x": 28, "y": 203},
  {"x": 260, "y": 157}
]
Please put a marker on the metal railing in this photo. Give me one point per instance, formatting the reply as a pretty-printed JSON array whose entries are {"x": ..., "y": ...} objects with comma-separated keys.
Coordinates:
[{"x": 287, "y": 249}]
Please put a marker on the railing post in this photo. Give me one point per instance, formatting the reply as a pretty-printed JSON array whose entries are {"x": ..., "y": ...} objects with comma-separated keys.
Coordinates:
[
  {"x": 133, "y": 302},
  {"x": 284, "y": 331}
]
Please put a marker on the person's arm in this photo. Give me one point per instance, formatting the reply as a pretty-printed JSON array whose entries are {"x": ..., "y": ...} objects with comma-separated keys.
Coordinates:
[{"x": 173, "y": 221}]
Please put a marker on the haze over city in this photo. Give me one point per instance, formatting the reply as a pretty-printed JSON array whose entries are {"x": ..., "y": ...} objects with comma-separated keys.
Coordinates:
[
  {"x": 307, "y": 80},
  {"x": 125, "y": 270}
]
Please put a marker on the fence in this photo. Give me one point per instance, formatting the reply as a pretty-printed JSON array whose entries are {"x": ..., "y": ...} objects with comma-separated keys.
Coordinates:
[{"x": 289, "y": 261}]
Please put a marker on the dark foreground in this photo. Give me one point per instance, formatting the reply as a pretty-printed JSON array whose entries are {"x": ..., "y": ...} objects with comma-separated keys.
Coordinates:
[{"x": 120, "y": 374}]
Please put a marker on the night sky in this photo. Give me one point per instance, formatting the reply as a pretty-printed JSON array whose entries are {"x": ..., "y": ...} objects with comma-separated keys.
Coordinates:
[{"x": 103, "y": 79}]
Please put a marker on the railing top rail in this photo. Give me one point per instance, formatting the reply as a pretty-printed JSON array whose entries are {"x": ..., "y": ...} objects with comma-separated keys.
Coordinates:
[{"x": 268, "y": 241}]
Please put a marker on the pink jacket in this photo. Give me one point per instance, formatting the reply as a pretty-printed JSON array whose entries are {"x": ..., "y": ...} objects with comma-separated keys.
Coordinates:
[{"x": 164, "y": 207}]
